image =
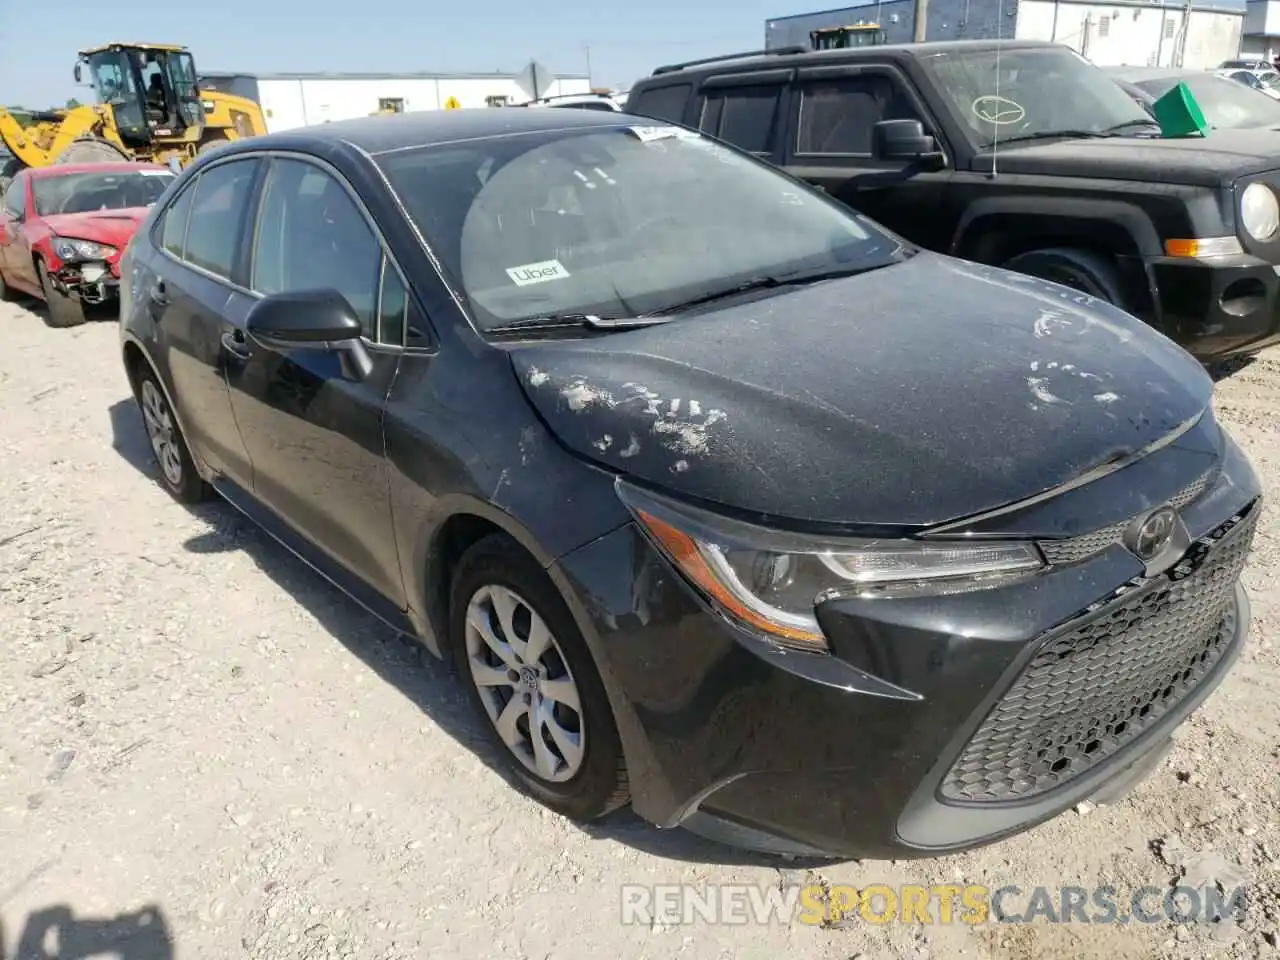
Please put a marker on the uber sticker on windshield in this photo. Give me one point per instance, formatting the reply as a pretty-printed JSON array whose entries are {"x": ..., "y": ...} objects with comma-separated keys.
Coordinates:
[{"x": 540, "y": 272}]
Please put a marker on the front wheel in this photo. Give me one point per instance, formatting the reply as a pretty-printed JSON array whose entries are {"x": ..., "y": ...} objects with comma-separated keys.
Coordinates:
[
  {"x": 177, "y": 470},
  {"x": 532, "y": 679},
  {"x": 1083, "y": 270},
  {"x": 64, "y": 311}
]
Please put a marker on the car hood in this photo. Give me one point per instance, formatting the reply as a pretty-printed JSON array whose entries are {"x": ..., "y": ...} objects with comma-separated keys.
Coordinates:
[
  {"x": 1213, "y": 161},
  {"x": 911, "y": 395},
  {"x": 113, "y": 227}
]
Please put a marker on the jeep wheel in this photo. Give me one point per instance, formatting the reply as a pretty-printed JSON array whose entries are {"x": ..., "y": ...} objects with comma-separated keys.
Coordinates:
[{"x": 1082, "y": 270}]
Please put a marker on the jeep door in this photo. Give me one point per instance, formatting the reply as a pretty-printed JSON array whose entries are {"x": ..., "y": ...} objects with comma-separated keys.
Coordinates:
[{"x": 828, "y": 137}]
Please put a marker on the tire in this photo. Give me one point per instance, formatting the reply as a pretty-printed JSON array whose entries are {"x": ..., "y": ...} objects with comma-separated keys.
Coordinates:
[
  {"x": 177, "y": 470},
  {"x": 213, "y": 143},
  {"x": 64, "y": 311},
  {"x": 91, "y": 150},
  {"x": 493, "y": 573},
  {"x": 1083, "y": 270}
]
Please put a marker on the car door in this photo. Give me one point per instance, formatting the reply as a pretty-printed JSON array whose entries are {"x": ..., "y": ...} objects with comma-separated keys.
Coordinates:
[
  {"x": 186, "y": 289},
  {"x": 315, "y": 436},
  {"x": 15, "y": 248},
  {"x": 831, "y": 116}
]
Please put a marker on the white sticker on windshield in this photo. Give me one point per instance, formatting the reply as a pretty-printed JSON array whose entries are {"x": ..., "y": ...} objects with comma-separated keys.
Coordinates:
[
  {"x": 155, "y": 173},
  {"x": 540, "y": 272},
  {"x": 649, "y": 134}
]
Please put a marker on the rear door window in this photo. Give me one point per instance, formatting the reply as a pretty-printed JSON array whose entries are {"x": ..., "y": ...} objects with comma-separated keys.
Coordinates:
[
  {"x": 173, "y": 229},
  {"x": 217, "y": 215},
  {"x": 662, "y": 103},
  {"x": 744, "y": 116},
  {"x": 15, "y": 198}
]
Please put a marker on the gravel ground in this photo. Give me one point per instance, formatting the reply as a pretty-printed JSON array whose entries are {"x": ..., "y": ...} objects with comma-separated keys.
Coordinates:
[{"x": 207, "y": 752}]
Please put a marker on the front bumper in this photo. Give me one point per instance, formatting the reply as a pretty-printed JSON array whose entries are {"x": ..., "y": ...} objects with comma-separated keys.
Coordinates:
[
  {"x": 938, "y": 724},
  {"x": 91, "y": 282},
  {"x": 1215, "y": 309}
]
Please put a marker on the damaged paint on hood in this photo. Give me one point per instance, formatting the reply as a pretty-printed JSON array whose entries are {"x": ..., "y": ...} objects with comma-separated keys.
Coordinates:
[{"x": 901, "y": 397}]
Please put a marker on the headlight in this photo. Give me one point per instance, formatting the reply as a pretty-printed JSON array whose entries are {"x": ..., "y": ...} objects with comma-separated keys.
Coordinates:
[
  {"x": 72, "y": 250},
  {"x": 1259, "y": 211},
  {"x": 772, "y": 582}
]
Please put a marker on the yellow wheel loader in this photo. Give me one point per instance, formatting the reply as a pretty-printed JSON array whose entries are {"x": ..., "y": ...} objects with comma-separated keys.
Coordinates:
[
  {"x": 149, "y": 107},
  {"x": 851, "y": 35}
]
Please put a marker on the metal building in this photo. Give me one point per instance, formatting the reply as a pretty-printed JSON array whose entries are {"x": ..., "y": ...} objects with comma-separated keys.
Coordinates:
[
  {"x": 1198, "y": 35},
  {"x": 302, "y": 99}
]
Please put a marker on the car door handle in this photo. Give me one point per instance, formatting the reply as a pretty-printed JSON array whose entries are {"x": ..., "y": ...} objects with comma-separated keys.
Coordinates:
[
  {"x": 234, "y": 343},
  {"x": 158, "y": 294}
]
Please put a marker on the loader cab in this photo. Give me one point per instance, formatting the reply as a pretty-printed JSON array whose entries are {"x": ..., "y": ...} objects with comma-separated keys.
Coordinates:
[
  {"x": 852, "y": 35},
  {"x": 152, "y": 91}
]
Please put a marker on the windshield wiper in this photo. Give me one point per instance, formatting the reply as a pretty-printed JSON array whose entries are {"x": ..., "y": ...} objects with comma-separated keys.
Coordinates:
[
  {"x": 1136, "y": 122},
  {"x": 770, "y": 281},
  {"x": 1053, "y": 135},
  {"x": 590, "y": 321}
]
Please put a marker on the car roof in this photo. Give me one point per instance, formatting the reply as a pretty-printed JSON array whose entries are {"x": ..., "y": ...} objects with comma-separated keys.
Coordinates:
[
  {"x": 63, "y": 169},
  {"x": 424, "y": 128},
  {"x": 790, "y": 56}
]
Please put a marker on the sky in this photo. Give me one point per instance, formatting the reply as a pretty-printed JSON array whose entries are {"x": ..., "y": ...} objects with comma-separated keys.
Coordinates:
[{"x": 626, "y": 40}]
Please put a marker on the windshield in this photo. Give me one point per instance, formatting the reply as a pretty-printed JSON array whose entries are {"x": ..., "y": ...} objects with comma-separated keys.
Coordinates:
[
  {"x": 85, "y": 192},
  {"x": 1225, "y": 103},
  {"x": 616, "y": 221},
  {"x": 1034, "y": 91}
]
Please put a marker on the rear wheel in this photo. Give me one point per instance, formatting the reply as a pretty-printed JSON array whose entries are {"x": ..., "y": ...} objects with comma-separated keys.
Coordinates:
[
  {"x": 1083, "y": 270},
  {"x": 177, "y": 471},
  {"x": 64, "y": 311},
  {"x": 532, "y": 679},
  {"x": 91, "y": 150}
]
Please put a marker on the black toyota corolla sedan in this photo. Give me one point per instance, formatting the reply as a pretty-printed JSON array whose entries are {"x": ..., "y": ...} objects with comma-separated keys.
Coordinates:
[{"x": 726, "y": 502}]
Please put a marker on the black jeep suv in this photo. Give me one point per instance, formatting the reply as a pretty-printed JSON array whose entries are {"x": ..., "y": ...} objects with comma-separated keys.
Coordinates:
[{"x": 1019, "y": 154}]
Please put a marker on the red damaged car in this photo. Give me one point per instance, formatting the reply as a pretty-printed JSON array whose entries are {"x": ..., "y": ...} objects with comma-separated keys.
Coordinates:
[{"x": 63, "y": 228}]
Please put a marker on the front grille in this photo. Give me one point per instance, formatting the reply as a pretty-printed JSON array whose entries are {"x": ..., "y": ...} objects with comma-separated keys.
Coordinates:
[
  {"x": 1091, "y": 690},
  {"x": 1062, "y": 552}
]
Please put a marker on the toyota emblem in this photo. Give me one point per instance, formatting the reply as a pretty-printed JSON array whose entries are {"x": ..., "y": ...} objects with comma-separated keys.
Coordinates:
[{"x": 1155, "y": 533}]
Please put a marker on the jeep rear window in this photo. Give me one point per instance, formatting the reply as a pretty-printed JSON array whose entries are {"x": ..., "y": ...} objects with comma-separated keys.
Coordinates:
[
  {"x": 662, "y": 103},
  {"x": 1020, "y": 92}
]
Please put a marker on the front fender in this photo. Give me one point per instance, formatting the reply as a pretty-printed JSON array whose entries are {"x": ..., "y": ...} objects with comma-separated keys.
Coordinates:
[{"x": 1094, "y": 219}]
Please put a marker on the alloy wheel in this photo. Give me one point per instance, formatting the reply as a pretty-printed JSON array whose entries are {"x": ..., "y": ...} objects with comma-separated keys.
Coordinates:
[
  {"x": 525, "y": 683},
  {"x": 159, "y": 423}
]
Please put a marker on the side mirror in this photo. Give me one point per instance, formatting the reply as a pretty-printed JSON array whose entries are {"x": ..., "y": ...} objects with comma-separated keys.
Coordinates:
[
  {"x": 905, "y": 140},
  {"x": 174, "y": 165},
  {"x": 79, "y": 75},
  {"x": 311, "y": 320}
]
